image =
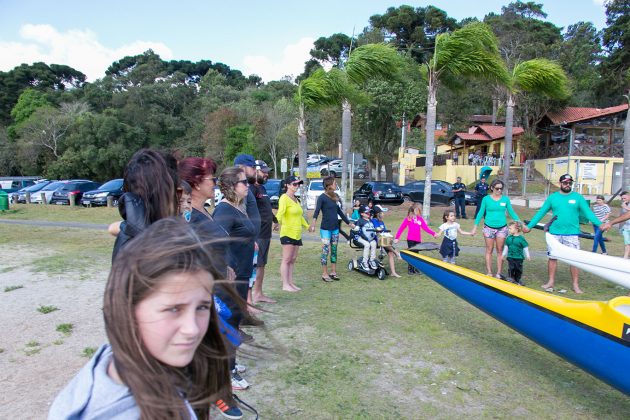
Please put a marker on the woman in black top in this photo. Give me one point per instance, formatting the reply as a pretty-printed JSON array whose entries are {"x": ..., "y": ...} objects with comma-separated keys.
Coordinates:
[
  {"x": 329, "y": 228},
  {"x": 231, "y": 215}
]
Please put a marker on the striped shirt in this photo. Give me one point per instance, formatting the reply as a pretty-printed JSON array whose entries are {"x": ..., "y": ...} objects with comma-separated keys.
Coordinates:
[{"x": 601, "y": 212}]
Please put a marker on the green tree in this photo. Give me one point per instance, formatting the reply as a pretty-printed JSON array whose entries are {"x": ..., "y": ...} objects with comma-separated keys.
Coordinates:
[
  {"x": 616, "y": 42},
  {"x": 467, "y": 52},
  {"x": 539, "y": 76},
  {"x": 239, "y": 140}
]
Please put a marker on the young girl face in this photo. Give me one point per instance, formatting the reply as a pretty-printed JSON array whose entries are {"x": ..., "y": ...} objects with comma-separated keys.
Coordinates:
[
  {"x": 513, "y": 230},
  {"x": 450, "y": 217},
  {"x": 185, "y": 203},
  {"x": 174, "y": 317},
  {"x": 357, "y": 203}
]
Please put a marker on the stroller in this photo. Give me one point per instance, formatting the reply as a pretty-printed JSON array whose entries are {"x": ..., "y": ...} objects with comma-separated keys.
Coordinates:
[{"x": 384, "y": 238}]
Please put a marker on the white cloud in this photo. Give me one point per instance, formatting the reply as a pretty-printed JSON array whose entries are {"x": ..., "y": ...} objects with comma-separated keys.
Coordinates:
[
  {"x": 291, "y": 64},
  {"x": 599, "y": 2},
  {"x": 79, "y": 49}
]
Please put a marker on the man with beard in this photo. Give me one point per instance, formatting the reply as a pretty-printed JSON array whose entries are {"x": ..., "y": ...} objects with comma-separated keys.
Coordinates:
[
  {"x": 268, "y": 222},
  {"x": 567, "y": 206}
]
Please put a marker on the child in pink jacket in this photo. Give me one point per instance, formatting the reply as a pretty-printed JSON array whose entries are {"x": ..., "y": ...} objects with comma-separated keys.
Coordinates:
[{"x": 415, "y": 224}]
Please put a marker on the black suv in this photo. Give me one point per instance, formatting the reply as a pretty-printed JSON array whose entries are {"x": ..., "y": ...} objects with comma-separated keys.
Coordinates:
[
  {"x": 441, "y": 193},
  {"x": 74, "y": 187},
  {"x": 99, "y": 196},
  {"x": 379, "y": 192}
]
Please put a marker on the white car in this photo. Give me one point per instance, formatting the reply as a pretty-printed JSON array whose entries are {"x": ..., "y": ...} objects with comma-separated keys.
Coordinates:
[
  {"x": 315, "y": 189},
  {"x": 314, "y": 158},
  {"x": 218, "y": 196},
  {"x": 48, "y": 191}
]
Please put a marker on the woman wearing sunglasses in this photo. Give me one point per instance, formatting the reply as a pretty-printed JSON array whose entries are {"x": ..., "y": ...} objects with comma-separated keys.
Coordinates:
[
  {"x": 493, "y": 210},
  {"x": 291, "y": 219}
]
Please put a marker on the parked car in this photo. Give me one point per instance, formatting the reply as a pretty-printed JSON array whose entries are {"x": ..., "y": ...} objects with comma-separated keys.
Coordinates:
[
  {"x": 48, "y": 191},
  {"x": 379, "y": 192},
  {"x": 314, "y": 190},
  {"x": 11, "y": 184},
  {"x": 334, "y": 168},
  {"x": 315, "y": 158},
  {"x": 273, "y": 191},
  {"x": 98, "y": 197},
  {"x": 441, "y": 193},
  {"x": 20, "y": 196},
  {"x": 76, "y": 187}
]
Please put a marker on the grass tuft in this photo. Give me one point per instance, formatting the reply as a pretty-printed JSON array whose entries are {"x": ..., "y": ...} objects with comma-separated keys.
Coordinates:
[
  {"x": 12, "y": 288},
  {"x": 88, "y": 352},
  {"x": 46, "y": 309},
  {"x": 65, "y": 328}
]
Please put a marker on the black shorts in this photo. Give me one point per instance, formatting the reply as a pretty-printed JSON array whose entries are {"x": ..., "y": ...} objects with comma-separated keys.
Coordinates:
[
  {"x": 263, "y": 250},
  {"x": 285, "y": 240}
]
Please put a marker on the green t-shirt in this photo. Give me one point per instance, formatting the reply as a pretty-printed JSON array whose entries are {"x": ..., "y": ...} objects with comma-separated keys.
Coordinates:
[
  {"x": 568, "y": 208},
  {"x": 516, "y": 245},
  {"x": 494, "y": 211}
]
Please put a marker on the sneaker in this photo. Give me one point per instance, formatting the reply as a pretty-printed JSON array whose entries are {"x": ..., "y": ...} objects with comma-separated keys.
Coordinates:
[
  {"x": 238, "y": 383},
  {"x": 240, "y": 368},
  {"x": 365, "y": 266},
  {"x": 373, "y": 264},
  {"x": 227, "y": 411}
]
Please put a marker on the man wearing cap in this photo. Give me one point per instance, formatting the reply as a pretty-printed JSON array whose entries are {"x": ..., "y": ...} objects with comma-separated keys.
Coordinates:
[
  {"x": 459, "y": 190},
  {"x": 267, "y": 223},
  {"x": 567, "y": 206}
]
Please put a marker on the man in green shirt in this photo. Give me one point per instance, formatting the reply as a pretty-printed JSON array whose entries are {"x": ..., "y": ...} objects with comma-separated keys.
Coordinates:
[{"x": 567, "y": 205}]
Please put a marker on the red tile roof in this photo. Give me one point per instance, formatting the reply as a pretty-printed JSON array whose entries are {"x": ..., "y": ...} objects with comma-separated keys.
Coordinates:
[
  {"x": 486, "y": 133},
  {"x": 574, "y": 114}
]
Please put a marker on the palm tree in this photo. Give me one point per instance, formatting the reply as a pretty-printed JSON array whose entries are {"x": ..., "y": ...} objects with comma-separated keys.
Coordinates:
[
  {"x": 467, "y": 52},
  {"x": 540, "y": 76},
  {"x": 366, "y": 62},
  {"x": 320, "y": 89}
]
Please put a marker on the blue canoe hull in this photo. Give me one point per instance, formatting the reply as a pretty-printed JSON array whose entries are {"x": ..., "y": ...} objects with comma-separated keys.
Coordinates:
[{"x": 598, "y": 352}]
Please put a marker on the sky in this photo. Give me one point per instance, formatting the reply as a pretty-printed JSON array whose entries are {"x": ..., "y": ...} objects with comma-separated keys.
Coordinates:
[{"x": 270, "y": 38}]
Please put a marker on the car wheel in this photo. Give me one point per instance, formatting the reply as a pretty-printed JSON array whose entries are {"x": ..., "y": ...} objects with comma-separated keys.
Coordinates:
[
  {"x": 406, "y": 199},
  {"x": 451, "y": 202},
  {"x": 380, "y": 274},
  {"x": 333, "y": 174}
]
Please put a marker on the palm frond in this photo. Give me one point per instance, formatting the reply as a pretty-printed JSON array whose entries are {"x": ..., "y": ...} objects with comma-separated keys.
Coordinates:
[
  {"x": 372, "y": 61},
  {"x": 469, "y": 51},
  {"x": 321, "y": 89},
  {"x": 541, "y": 76}
]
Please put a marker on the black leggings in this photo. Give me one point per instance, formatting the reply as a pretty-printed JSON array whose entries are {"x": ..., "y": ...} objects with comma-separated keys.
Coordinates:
[{"x": 411, "y": 244}]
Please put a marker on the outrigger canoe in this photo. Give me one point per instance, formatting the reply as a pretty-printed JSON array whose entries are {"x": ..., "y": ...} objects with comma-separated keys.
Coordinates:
[{"x": 593, "y": 335}]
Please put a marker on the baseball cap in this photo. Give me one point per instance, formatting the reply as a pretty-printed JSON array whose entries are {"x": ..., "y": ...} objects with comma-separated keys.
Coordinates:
[
  {"x": 260, "y": 164},
  {"x": 245, "y": 160},
  {"x": 566, "y": 177},
  {"x": 364, "y": 209},
  {"x": 291, "y": 179}
]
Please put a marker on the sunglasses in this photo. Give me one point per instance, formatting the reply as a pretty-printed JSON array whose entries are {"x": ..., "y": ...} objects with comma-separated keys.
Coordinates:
[
  {"x": 498, "y": 188},
  {"x": 295, "y": 184},
  {"x": 242, "y": 181},
  {"x": 567, "y": 182},
  {"x": 211, "y": 178}
]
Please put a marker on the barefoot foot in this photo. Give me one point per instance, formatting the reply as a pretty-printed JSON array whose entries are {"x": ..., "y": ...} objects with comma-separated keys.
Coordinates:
[
  {"x": 289, "y": 289},
  {"x": 263, "y": 298}
]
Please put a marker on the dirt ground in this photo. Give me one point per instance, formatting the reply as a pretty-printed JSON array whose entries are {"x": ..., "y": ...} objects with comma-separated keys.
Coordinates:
[{"x": 36, "y": 361}]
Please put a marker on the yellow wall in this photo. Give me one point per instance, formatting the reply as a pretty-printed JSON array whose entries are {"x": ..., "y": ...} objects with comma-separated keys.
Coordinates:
[
  {"x": 602, "y": 184},
  {"x": 450, "y": 172}
]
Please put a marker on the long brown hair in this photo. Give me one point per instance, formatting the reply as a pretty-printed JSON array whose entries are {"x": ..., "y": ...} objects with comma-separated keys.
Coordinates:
[
  {"x": 150, "y": 175},
  {"x": 167, "y": 246},
  {"x": 328, "y": 188}
]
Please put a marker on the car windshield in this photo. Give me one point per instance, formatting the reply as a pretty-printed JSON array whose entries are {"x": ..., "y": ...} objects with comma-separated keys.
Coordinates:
[
  {"x": 378, "y": 185},
  {"x": 52, "y": 186},
  {"x": 36, "y": 187},
  {"x": 114, "y": 184},
  {"x": 317, "y": 186}
]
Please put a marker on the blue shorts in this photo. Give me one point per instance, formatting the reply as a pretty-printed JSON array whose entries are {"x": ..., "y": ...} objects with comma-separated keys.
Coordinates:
[
  {"x": 626, "y": 236},
  {"x": 327, "y": 235}
]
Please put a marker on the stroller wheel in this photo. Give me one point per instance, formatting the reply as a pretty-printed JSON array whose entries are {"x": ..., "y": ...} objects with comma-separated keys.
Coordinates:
[
  {"x": 350, "y": 265},
  {"x": 380, "y": 274}
]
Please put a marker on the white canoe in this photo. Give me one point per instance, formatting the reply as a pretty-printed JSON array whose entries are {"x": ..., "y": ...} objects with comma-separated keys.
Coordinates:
[{"x": 614, "y": 269}]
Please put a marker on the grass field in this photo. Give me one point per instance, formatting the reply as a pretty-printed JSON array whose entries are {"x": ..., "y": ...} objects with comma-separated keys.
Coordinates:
[{"x": 363, "y": 348}]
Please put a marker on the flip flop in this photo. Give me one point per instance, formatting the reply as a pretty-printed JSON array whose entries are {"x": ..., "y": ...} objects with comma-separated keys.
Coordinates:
[{"x": 549, "y": 289}]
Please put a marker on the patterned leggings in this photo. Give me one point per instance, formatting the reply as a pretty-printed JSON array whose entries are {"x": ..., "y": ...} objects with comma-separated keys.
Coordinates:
[{"x": 330, "y": 239}]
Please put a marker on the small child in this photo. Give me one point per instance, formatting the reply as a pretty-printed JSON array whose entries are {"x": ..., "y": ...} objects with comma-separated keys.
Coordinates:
[
  {"x": 184, "y": 193},
  {"x": 602, "y": 212},
  {"x": 378, "y": 223},
  {"x": 449, "y": 249},
  {"x": 356, "y": 205},
  {"x": 367, "y": 238},
  {"x": 415, "y": 224},
  {"x": 516, "y": 249}
]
